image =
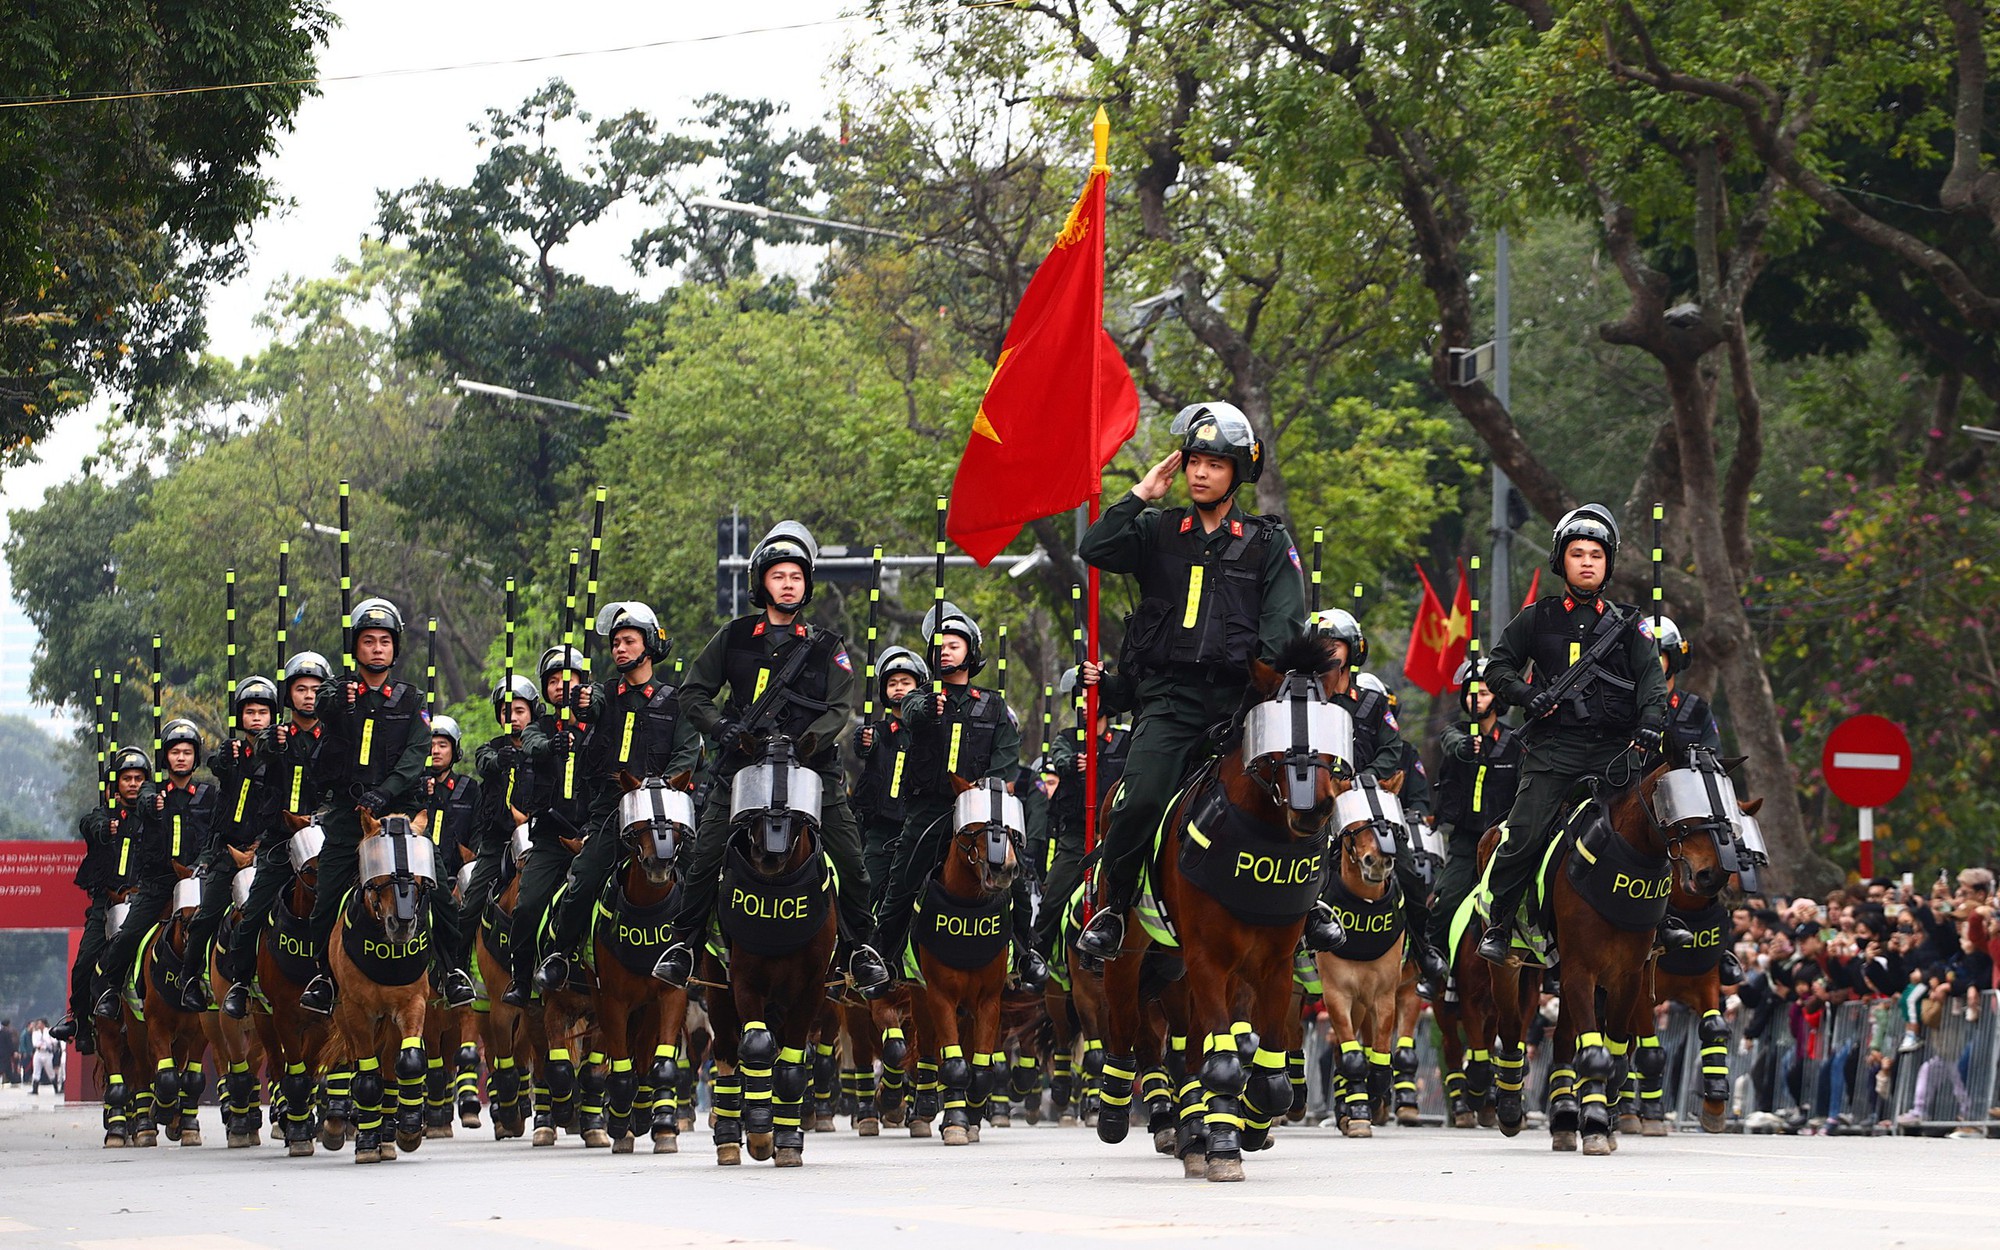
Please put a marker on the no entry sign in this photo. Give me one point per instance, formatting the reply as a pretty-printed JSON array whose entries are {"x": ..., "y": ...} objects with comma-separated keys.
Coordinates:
[{"x": 1866, "y": 760}]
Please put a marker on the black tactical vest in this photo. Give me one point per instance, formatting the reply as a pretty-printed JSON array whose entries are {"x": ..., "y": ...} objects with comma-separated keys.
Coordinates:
[
  {"x": 961, "y": 743},
  {"x": 882, "y": 791},
  {"x": 1066, "y": 805},
  {"x": 185, "y": 823},
  {"x": 747, "y": 664},
  {"x": 453, "y": 820},
  {"x": 1610, "y": 701},
  {"x": 373, "y": 737},
  {"x": 242, "y": 805},
  {"x": 1367, "y": 709},
  {"x": 291, "y": 777},
  {"x": 1215, "y": 594},
  {"x": 1687, "y": 720},
  {"x": 1474, "y": 796},
  {"x": 636, "y": 732}
]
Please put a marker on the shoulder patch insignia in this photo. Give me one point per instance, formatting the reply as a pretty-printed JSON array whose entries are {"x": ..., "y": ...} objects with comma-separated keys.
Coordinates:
[
  {"x": 1389, "y": 719},
  {"x": 840, "y": 658},
  {"x": 1293, "y": 554}
]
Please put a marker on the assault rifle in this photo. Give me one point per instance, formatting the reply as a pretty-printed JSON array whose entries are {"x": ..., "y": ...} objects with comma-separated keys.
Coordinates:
[{"x": 1573, "y": 680}]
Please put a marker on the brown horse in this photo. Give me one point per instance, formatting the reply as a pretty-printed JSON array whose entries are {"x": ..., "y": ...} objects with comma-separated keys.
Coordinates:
[
  {"x": 174, "y": 1040},
  {"x": 639, "y": 1019},
  {"x": 1252, "y": 827},
  {"x": 122, "y": 1056},
  {"x": 1661, "y": 835},
  {"x": 286, "y": 960},
  {"x": 960, "y": 937},
  {"x": 380, "y": 955},
  {"x": 779, "y": 928},
  {"x": 504, "y": 1029},
  {"x": 234, "y": 1042},
  {"x": 1360, "y": 980}
]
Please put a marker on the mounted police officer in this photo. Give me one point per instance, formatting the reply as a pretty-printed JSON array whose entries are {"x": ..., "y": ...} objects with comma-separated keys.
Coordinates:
[
  {"x": 1616, "y": 701},
  {"x": 451, "y": 798},
  {"x": 1690, "y": 722},
  {"x": 1416, "y": 869},
  {"x": 881, "y": 794},
  {"x": 504, "y": 785},
  {"x": 289, "y": 785},
  {"x": 1219, "y": 588},
  {"x": 121, "y": 852},
  {"x": 558, "y": 808},
  {"x": 1479, "y": 768},
  {"x": 374, "y": 754},
  {"x": 235, "y": 825},
  {"x": 1061, "y": 858},
  {"x": 963, "y": 731},
  {"x": 764, "y": 675},
  {"x": 634, "y": 725}
]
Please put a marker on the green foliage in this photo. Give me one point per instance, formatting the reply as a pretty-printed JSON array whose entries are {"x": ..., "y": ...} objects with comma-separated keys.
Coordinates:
[{"x": 34, "y": 774}]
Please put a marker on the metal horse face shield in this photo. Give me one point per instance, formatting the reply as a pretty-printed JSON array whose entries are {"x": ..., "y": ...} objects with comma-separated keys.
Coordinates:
[
  {"x": 656, "y": 821},
  {"x": 1288, "y": 740},
  {"x": 777, "y": 798},
  {"x": 399, "y": 867},
  {"x": 1700, "y": 798},
  {"x": 997, "y": 819},
  {"x": 1368, "y": 809}
]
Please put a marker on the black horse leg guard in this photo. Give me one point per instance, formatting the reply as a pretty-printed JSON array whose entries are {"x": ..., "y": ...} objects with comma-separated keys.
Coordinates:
[
  {"x": 1223, "y": 1078},
  {"x": 895, "y": 1048},
  {"x": 1713, "y": 1033},
  {"x": 1191, "y": 1134},
  {"x": 1158, "y": 1096},
  {"x": 925, "y": 1106},
  {"x": 368, "y": 1099},
  {"x": 1563, "y": 1106},
  {"x": 954, "y": 1076},
  {"x": 1061, "y": 1083},
  {"x": 1594, "y": 1067},
  {"x": 1380, "y": 1079},
  {"x": 192, "y": 1082},
  {"x": 1353, "y": 1066},
  {"x": 620, "y": 1090},
  {"x": 590, "y": 1085},
  {"x": 437, "y": 1092},
  {"x": 987, "y": 1072},
  {"x": 1508, "y": 1077},
  {"x": 757, "y": 1054},
  {"x": 1267, "y": 1094},
  {"x": 1650, "y": 1062},
  {"x": 1024, "y": 1081},
  {"x": 893, "y": 1089},
  {"x": 411, "y": 1070},
  {"x": 1295, "y": 1076},
  {"x": 1455, "y": 1102},
  {"x": 791, "y": 1080},
  {"x": 465, "y": 1081},
  {"x": 1478, "y": 1076},
  {"x": 297, "y": 1088},
  {"x": 825, "y": 1079},
  {"x": 506, "y": 1092},
  {"x": 166, "y": 1088},
  {"x": 559, "y": 1075},
  {"x": 1403, "y": 1067},
  {"x": 1115, "y": 1076},
  {"x": 665, "y": 1078}
]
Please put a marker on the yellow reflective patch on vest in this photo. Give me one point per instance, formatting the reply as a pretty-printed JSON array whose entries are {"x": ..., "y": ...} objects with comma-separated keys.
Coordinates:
[
  {"x": 1193, "y": 612},
  {"x": 763, "y": 680},
  {"x": 242, "y": 800},
  {"x": 177, "y": 837},
  {"x": 569, "y": 776},
  {"x": 124, "y": 854},
  {"x": 951, "y": 760},
  {"x": 1479, "y": 788},
  {"x": 367, "y": 740},
  {"x": 896, "y": 777},
  {"x": 625, "y": 742},
  {"x": 298, "y": 784},
  {"x": 1575, "y": 652}
]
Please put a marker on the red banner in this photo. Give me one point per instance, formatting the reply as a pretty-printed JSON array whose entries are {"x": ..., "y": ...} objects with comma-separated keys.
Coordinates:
[{"x": 37, "y": 889}]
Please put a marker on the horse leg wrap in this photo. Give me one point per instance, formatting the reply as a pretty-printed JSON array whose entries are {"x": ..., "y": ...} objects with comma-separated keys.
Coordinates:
[
  {"x": 240, "y": 1090},
  {"x": 1456, "y": 1103},
  {"x": 760, "y": 1046},
  {"x": 1650, "y": 1062},
  {"x": 755, "y": 1057},
  {"x": 1158, "y": 1096},
  {"x": 1223, "y": 1079},
  {"x": 142, "y": 1110},
  {"x": 1478, "y": 1075},
  {"x": 1268, "y": 1093},
  {"x": 825, "y": 1077},
  {"x": 192, "y": 1082},
  {"x": 465, "y": 1080},
  {"x": 545, "y": 1107},
  {"x": 506, "y": 1086},
  {"x": 1114, "y": 1113},
  {"x": 1061, "y": 1083},
  {"x": 297, "y": 1089},
  {"x": 368, "y": 1096},
  {"x": 620, "y": 1090},
  {"x": 591, "y": 1081},
  {"x": 1295, "y": 1076},
  {"x": 559, "y": 1074},
  {"x": 1593, "y": 1057},
  {"x": 1353, "y": 1069},
  {"x": 1093, "y": 1059},
  {"x": 1380, "y": 1078},
  {"x": 1024, "y": 1081},
  {"x": 728, "y": 1105},
  {"x": 980, "y": 1092},
  {"x": 895, "y": 1047},
  {"x": 1713, "y": 1033},
  {"x": 1563, "y": 1106},
  {"x": 790, "y": 1082},
  {"x": 926, "y": 1105},
  {"x": 1403, "y": 1065},
  {"x": 1222, "y": 1067},
  {"x": 893, "y": 1089},
  {"x": 1622, "y": 1084},
  {"x": 1508, "y": 1073},
  {"x": 955, "y": 1074},
  {"x": 166, "y": 1084},
  {"x": 411, "y": 1069},
  {"x": 1191, "y": 1134},
  {"x": 437, "y": 1090},
  {"x": 665, "y": 1079},
  {"x": 864, "y": 1094}
]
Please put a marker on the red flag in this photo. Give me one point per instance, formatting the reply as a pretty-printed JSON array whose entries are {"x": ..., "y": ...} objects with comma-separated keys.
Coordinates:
[
  {"x": 1060, "y": 403},
  {"x": 1534, "y": 589},
  {"x": 1438, "y": 641}
]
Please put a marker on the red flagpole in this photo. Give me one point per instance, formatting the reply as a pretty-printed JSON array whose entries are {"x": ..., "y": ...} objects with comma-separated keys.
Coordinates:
[{"x": 1100, "y": 133}]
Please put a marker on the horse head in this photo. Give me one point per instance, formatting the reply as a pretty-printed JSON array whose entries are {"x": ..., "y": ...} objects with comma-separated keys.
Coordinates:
[
  {"x": 655, "y": 821},
  {"x": 303, "y": 848},
  {"x": 1296, "y": 753},
  {"x": 1695, "y": 816},
  {"x": 772, "y": 803},
  {"x": 986, "y": 821},
  {"x": 1369, "y": 818},
  {"x": 396, "y": 873}
]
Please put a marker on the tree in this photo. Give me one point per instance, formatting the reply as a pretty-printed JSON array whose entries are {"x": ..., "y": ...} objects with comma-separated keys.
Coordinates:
[
  {"x": 122, "y": 211},
  {"x": 33, "y": 778}
]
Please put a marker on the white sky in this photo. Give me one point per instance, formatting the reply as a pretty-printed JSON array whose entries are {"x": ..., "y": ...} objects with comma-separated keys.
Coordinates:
[{"x": 356, "y": 138}]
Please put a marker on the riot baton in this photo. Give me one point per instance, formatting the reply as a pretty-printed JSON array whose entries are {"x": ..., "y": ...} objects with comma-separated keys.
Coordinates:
[
  {"x": 1472, "y": 652},
  {"x": 505, "y": 710},
  {"x": 229, "y": 641},
  {"x": 874, "y": 606},
  {"x": 159, "y": 770},
  {"x": 431, "y": 669},
  {"x": 97, "y": 701},
  {"x": 1319, "y": 541},
  {"x": 937, "y": 602},
  {"x": 346, "y": 586},
  {"x": 590, "y": 580},
  {"x": 1659, "y": 557},
  {"x": 284, "y": 594}
]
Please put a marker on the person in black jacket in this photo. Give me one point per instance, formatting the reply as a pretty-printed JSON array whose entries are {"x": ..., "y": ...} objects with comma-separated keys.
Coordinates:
[
  {"x": 881, "y": 794},
  {"x": 119, "y": 854}
]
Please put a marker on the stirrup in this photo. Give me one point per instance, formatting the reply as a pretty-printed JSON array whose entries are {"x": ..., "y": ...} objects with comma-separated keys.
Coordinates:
[
  {"x": 64, "y": 1029},
  {"x": 456, "y": 989},
  {"x": 1034, "y": 970},
  {"x": 1323, "y": 931},
  {"x": 194, "y": 993},
  {"x": 675, "y": 965},
  {"x": 553, "y": 975},
  {"x": 1674, "y": 935},
  {"x": 1104, "y": 936},
  {"x": 865, "y": 967},
  {"x": 106, "y": 1007},
  {"x": 1496, "y": 945},
  {"x": 236, "y": 1003},
  {"x": 318, "y": 995},
  {"x": 516, "y": 995}
]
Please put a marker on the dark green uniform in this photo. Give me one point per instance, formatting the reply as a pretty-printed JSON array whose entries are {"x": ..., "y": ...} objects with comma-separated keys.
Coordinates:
[
  {"x": 1583, "y": 736},
  {"x": 634, "y": 728},
  {"x": 723, "y": 683},
  {"x": 504, "y": 786},
  {"x": 376, "y": 749},
  {"x": 1214, "y": 601},
  {"x": 1475, "y": 790},
  {"x": 119, "y": 854},
  {"x": 559, "y": 808},
  {"x": 1061, "y": 857},
  {"x": 881, "y": 796},
  {"x": 178, "y": 819}
]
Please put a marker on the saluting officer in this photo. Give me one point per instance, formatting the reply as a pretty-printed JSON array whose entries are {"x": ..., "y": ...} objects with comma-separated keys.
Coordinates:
[
  {"x": 119, "y": 854},
  {"x": 1690, "y": 722},
  {"x": 881, "y": 795},
  {"x": 1478, "y": 772},
  {"x": 374, "y": 752},
  {"x": 1219, "y": 587},
  {"x": 1616, "y": 703},
  {"x": 807, "y": 696},
  {"x": 635, "y": 725}
]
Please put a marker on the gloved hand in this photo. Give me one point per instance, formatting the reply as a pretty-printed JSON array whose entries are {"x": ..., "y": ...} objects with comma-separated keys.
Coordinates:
[
  {"x": 567, "y": 741},
  {"x": 1649, "y": 739},
  {"x": 1541, "y": 703},
  {"x": 374, "y": 802}
]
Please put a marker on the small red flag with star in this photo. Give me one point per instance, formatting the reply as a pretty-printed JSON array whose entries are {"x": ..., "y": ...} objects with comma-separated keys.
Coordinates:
[
  {"x": 1437, "y": 640},
  {"x": 1061, "y": 401}
]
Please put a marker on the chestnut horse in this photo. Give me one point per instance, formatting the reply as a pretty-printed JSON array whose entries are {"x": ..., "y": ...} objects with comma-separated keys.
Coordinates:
[
  {"x": 1359, "y": 989},
  {"x": 1275, "y": 806},
  {"x": 234, "y": 1042},
  {"x": 286, "y": 960},
  {"x": 174, "y": 1038},
  {"x": 510, "y": 1051},
  {"x": 385, "y": 988}
]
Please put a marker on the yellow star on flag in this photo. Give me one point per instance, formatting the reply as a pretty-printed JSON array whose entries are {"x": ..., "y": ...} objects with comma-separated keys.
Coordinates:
[{"x": 980, "y": 424}]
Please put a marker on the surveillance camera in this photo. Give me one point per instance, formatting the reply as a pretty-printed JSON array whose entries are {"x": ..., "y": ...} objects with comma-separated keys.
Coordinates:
[
  {"x": 1154, "y": 307},
  {"x": 1683, "y": 316}
]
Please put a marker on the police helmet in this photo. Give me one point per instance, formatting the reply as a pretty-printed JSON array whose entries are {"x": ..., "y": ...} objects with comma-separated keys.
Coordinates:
[
  {"x": 901, "y": 660},
  {"x": 1593, "y": 521},
  {"x": 631, "y": 614},
  {"x": 557, "y": 659},
  {"x": 1219, "y": 429},
  {"x": 1673, "y": 643},
  {"x": 1464, "y": 677},
  {"x": 1066, "y": 684},
  {"x": 129, "y": 758},
  {"x": 181, "y": 729},
  {"x": 304, "y": 664},
  {"x": 1369, "y": 681},
  {"x": 1339, "y": 625},
  {"x": 255, "y": 690},
  {"x": 376, "y": 614},
  {"x": 516, "y": 687},
  {"x": 447, "y": 727},
  {"x": 949, "y": 618},
  {"x": 790, "y": 542}
]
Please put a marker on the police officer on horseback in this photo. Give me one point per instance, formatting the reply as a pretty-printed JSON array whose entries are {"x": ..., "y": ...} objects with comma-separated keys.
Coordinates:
[
  {"x": 1690, "y": 722},
  {"x": 1479, "y": 768},
  {"x": 120, "y": 855},
  {"x": 1060, "y": 857},
  {"x": 881, "y": 794},
  {"x": 557, "y": 805},
  {"x": 765, "y": 675},
  {"x": 1219, "y": 588},
  {"x": 1597, "y": 692}
]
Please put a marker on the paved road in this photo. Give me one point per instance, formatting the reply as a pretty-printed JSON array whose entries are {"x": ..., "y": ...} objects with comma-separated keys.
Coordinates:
[{"x": 1403, "y": 1190}]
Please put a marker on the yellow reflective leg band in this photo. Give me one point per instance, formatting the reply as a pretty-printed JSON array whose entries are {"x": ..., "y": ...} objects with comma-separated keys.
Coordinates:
[
  {"x": 1193, "y": 611},
  {"x": 896, "y": 776},
  {"x": 625, "y": 742},
  {"x": 367, "y": 740},
  {"x": 558, "y": 1055},
  {"x": 957, "y": 735}
]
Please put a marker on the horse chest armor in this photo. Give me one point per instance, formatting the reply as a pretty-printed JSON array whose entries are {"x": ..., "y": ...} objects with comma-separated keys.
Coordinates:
[
  {"x": 1710, "y": 928},
  {"x": 637, "y": 936},
  {"x": 380, "y": 960},
  {"x": 497, "y": 929},
  {"x": 772, "y": 918},
  {"x": 1626, "y": 886},
  {"x": 291, "y": 943},
  {"x": 1373, "y": 926},
  {"x": 960, "y": 934},
  {"x": 1258, "y": 879},
  {"x": 159, "y": 956}
]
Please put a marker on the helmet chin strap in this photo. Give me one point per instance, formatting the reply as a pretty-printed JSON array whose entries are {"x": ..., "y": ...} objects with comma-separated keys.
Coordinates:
[{"x": 628, "y": 665}]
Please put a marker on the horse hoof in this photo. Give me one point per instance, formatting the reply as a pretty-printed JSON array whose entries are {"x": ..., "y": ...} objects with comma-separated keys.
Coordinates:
[
  {"x": 822, "y": 1124},
  {"x": 596, "y": 1139},
  {"x": 685, "y": 1124},
  {"x": 468, "y": 1119},
  {"x": 191, "y": 1137},
  {"x": 1090, "y": 1120},
  {"x": 113, "y": 1141},
  {"x": 790, "y": 1157},
  {"x": 332, "y": 1138},
  {"x": 1488, "y": 1118},
  {"x": 1163, "y": 1141},
  {"x": 728, "y": 1155},
  {"x": 1032, "y": 1113},
  {"x": 1357, "y": 1128},
  {"x": 389, "y": 1152},
  {"x": 1001, "y": 1120},
  {"x": 407, "y": 1142},
  {"x": 896, "y": 1118},
  {"x": 173, "y": 1132},
  {"x": 299, "y": 1149},
  {"x": 1464, "y": 1119},
  {"x": 1066, "y": 1120},
  {"x": 1712, "y": 1121},
  {"x": 1225, "y": 1169},
  {"x": 367, "y": 1154},
  {"x": 623, "y": 1146},
  {"x": 955, "y": 1135},
  {"x": 1654, "y": 1128},
  {"x": 761, "y": 1146},
  {"x": 868, "y": 1128},
  {"x": 920, "y": 1128},
  {"x": 1408, "y": 1117},
  {"x": 1194, "y": 1167},
  {"x": 1630, "y": 1124},
  {"x": 434, "y": 1131},
  {"x": 237, "y": 1141},
  {"x": 1511, "y": 1130},
  {"x": 1379, "y": 1118},
  {"x": 972, "y": 1131},
  {"x": 545, "y": 1135},
  {"x": 666, "y": 1143},
  {"x": 147, "y": 1139},
  {"x": 1597, "y": 1143},
  {"x": 1562, "y": 1140}
]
